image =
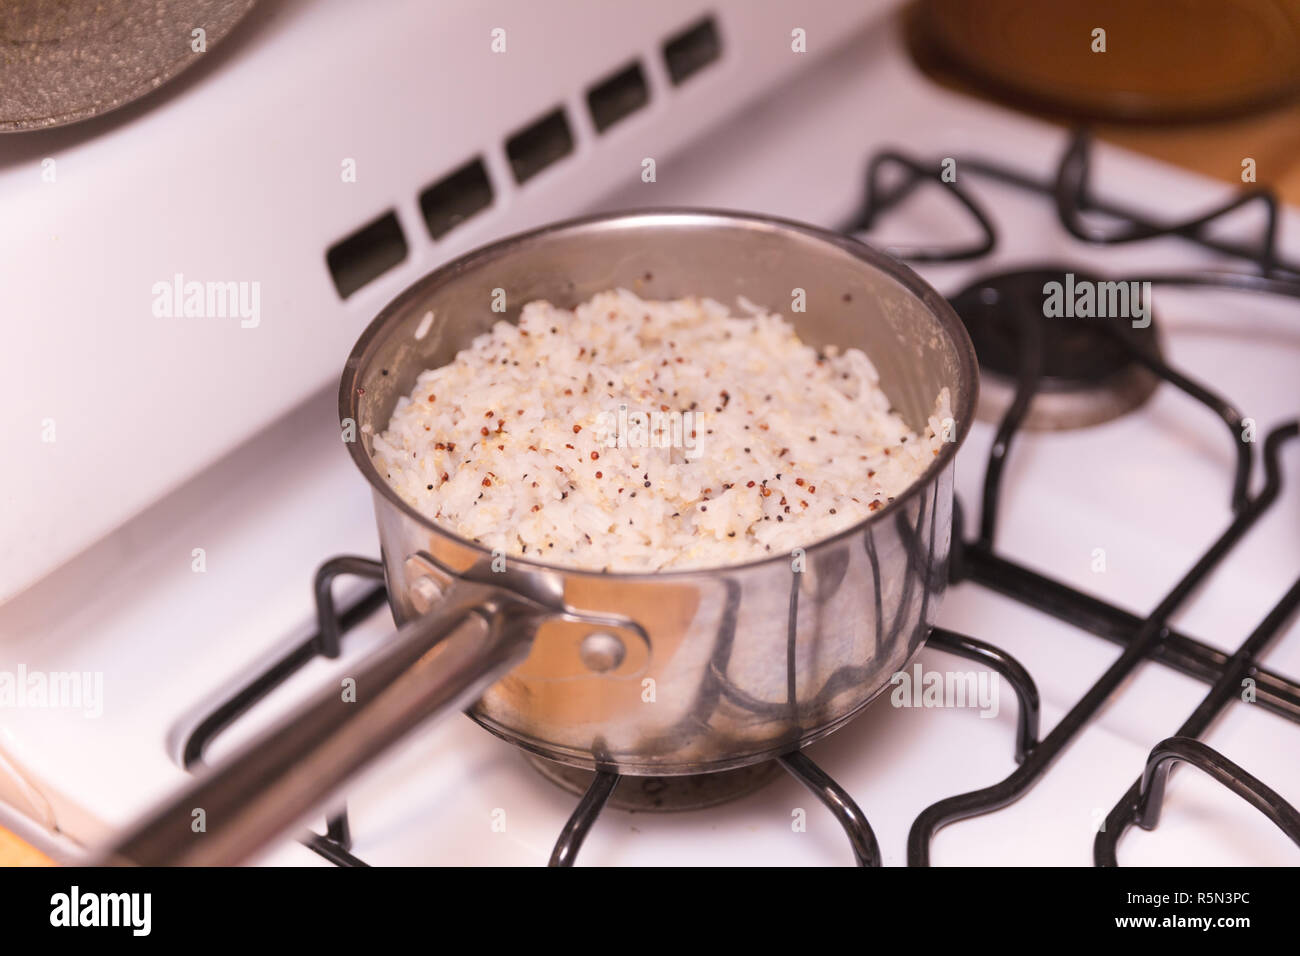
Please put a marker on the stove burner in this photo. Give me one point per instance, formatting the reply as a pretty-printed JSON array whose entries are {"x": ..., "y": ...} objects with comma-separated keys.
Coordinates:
[
  {"x": 664, "y": 794},
  {"x": 1088, "y": 374},
  {"x": 1002, "y": 311}
]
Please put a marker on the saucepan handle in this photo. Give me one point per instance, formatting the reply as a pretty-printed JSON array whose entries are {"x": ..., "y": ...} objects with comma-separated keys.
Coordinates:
[{"x": 437, "y": 664}]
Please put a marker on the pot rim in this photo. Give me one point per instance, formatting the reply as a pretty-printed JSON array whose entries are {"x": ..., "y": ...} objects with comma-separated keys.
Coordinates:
[{"x": 966, "y": 386}]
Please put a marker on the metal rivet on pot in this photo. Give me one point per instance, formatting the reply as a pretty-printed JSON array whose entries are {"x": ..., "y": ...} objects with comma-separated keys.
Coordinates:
[
  {"x": 602, "y": 651},
  {"x": 425, "y": 592}
]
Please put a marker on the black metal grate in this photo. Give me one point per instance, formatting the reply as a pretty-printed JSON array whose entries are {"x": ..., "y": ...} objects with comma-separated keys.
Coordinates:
[
  {"x": 331, "y": 624},
  {"x": 1143, "y": 638},
  {"x": 335, "y": 844},
  {"x": 977, "y": 560}
]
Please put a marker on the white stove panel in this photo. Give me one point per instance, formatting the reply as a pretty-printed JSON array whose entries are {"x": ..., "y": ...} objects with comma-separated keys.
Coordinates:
[{"x": 255, "y": 163}]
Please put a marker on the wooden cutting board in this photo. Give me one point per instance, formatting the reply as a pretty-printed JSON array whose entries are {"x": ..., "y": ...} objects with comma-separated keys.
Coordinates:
[
  {"x": 14, "y": 852},
  {"x": 1217, "y": 149}
]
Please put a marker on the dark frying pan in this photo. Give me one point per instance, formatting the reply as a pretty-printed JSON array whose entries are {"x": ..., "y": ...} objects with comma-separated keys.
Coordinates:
[{"x": 62, "y": 61}]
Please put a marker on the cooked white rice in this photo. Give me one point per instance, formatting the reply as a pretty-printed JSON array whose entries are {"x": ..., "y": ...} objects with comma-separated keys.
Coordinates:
[{"x": 520, "y": 443}]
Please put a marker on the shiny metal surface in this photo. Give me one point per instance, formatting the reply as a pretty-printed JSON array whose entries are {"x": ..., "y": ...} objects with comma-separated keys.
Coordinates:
[
  {"x": 664, "y": 674},
  {"x": 436, "y": 664},
  {"x": 745, "y": 662},
  {"x": 676, "y": 794}
]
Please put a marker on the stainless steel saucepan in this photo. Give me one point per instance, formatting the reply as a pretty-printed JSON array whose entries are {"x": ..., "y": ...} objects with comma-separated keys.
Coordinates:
[{"x": 677, "y": 672}]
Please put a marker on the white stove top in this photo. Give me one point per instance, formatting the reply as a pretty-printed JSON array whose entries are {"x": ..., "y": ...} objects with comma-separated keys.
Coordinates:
[{"x": 1151, "y": 488}]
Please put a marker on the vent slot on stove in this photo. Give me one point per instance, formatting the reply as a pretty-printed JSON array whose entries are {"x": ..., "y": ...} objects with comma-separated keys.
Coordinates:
[
  {"x": 366, "y": 254},
  {"x": 617, "y": 97},
  {"x": 537, "y": 146},
  {"x": 692, "y": 50},
  {"x": 455, "y": 198}
]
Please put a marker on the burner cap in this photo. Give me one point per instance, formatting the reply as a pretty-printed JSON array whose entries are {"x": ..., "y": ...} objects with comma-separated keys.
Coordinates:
[
  {"x": 1088, "y": 377},
  {"x": 665, "y": 794}
]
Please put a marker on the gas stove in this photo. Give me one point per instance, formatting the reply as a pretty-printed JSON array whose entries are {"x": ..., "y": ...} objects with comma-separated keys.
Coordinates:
[{"x": 1129, "y": 542}]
